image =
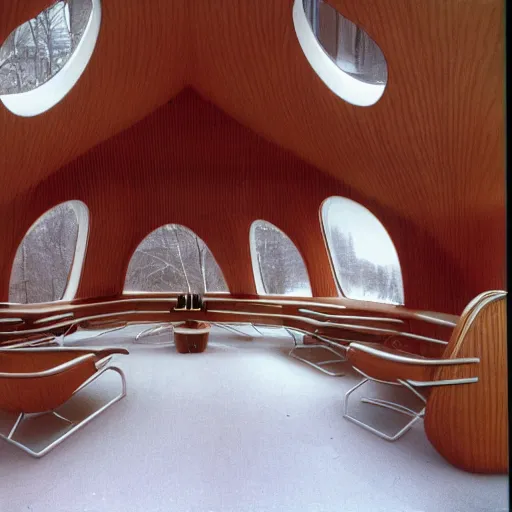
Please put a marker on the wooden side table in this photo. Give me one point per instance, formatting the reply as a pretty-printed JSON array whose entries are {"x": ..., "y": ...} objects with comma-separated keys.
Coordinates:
[{"x": 191, "y": 337}]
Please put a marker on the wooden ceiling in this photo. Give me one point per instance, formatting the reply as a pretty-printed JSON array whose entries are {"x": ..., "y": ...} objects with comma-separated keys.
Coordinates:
[{"x": 429, "y": 154}]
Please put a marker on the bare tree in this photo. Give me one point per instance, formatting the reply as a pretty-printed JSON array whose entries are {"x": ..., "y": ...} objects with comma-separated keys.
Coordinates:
[
  {"x": 34, "y": 29},
  {"x": 37, "y": 50},
  {"x": 54, "y": 28},
  {"x": 200, "y": 253},
  {"x": 262, "y": 274},
  {"x": 43, "y": 261},
  {"x": 361, "y": 278},
  {"x": 280, "y": 265},
  {"x": 175, "y": 230},
  {"x": 173, "y": 258}
]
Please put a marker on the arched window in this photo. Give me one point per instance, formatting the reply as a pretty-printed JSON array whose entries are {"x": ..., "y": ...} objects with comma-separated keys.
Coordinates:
[
  {"x": 174, "y": 259},
  {"x": 363, "y": 256},
  {"x": 42, "y": 59},
  {"x": 277, "y": 264},
  {"x": 48, "y": 262},
  {"x": 343, "y": 55}
]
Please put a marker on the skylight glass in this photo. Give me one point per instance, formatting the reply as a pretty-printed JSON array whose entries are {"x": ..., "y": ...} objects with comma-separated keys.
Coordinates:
[
  {"x": 343, "y": 55},
  {"x": 43, "y": 58}
]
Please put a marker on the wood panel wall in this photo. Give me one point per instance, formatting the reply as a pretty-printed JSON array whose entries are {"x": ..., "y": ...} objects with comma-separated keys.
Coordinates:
[
  {"x": 468, "y": 423},
  {"x": 13, "y": 14},
  {"x": 427, "y": 159},
  {"x": 189, "y": 163}
]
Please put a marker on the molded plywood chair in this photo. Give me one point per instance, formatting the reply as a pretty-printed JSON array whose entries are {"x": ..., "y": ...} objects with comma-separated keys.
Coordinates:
[
  {"x": 308, "y": 343},
  {"x": 36, "y": 381},
  {"x": 463, "y": 392}
]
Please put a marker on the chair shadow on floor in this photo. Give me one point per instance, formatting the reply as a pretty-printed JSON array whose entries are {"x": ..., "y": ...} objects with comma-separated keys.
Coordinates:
[{"x": 414, "y": 443}]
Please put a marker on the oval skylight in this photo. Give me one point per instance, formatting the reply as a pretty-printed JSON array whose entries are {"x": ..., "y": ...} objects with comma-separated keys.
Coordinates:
[
  {"x": 343, "y": 55},
  {"x": 42, "y": 59}
]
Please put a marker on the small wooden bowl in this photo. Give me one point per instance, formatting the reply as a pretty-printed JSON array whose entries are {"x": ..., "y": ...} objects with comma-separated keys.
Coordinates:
[{"x": 191, "y": 337}]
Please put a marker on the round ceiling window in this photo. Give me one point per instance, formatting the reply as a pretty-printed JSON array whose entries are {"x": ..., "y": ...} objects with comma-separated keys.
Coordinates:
[
  {"x": 343, "y": 55},
  {"x": 42, "y": 59}
]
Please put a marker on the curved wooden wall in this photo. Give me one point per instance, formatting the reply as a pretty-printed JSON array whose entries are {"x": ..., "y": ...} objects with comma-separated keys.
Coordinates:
[
  {"x": 427, "y": 159},
  {"x": 192, "y": 165},
  {"x": 468, "y": 424},
  {"x": 13, "y": 14}
]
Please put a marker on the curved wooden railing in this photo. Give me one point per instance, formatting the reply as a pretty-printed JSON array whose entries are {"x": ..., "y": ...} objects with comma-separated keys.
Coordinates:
[{"x": 336, "y": 318}]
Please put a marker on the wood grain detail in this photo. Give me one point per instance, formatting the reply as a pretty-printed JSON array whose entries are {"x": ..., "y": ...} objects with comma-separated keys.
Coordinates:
[
  {"x": 13, "y": 14},
  {"x": 40, "y": 394},
  {"x": 268, "y": 140},
  {"x": 468, "y": 424},
  {"x": 388, "y": 371},
  {"x": 353, "y": 319},
  {"x": 187, "y": 341}
]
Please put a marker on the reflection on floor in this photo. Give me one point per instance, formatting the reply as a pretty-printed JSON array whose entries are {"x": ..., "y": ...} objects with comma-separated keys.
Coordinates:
[{"x": 241, "y": 427}]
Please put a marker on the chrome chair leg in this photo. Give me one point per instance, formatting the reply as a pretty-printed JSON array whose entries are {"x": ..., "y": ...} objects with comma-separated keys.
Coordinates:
[
  {"x": 75, "y": 426},
  {"x": 230, "y": 328},
  {"x": 299, "y": 345},
  {"x": 414, "y": 415},
  {"x": 155, "y": 329}
]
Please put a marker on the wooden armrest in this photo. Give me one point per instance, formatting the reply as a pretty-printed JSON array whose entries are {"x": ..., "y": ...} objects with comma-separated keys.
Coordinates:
[
  {"x": 47, "y": 361},
  {"x": 103, "y": 356},
  {"x": 68, "y": 365},
  {"x": 389, "y": 354},
  {"x": 109, "y": 351}
]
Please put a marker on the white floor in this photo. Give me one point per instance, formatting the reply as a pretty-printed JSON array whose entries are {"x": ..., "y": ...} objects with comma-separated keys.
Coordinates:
[{"x": 241, "y": 427}]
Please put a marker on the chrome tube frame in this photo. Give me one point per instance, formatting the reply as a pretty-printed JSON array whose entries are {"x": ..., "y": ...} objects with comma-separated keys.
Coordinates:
[
  {"x": 396, "y": 407},
  {"x": 106, "y": 331},
  {"x": 75, "y": 425},
  {"x": 319, "y": 365},
  {"x": 156, "y": 329},
  {"x": 230, "y": 328}
]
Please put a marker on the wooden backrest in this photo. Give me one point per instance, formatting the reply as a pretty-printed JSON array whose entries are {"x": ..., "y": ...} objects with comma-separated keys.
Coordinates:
[
  {"x": 468, "y": 423},
  {"x": 39, "y": 394},
  {"x": 25, "y": 361},
  {"x": 467, "y": 317}
]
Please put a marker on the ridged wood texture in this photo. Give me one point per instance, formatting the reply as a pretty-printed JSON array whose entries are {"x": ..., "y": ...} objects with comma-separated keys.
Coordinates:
[
  {"x": 468, "y": 424},
  {"x": 389, "y": 371},
  {"x": 427, "y": 159},
  {"x": 40, "y": 394},
  {"x": 351, "y": 320},
  {"x": 13, "y": 14},
  {"x": 190, "y": 342}
]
